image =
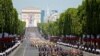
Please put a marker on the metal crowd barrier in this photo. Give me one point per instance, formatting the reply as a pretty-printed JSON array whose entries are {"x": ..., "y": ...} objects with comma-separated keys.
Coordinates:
[
  {"x": 8, "y": 51},
  {"x": 75, "y": 46}
]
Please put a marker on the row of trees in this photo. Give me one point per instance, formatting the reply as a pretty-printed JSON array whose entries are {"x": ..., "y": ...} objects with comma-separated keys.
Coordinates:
[
  {"x": 76, "y": 21},
  {"x": 9, "y": 21},
  {"x": 49, "y": 28},
  {"x": 89, "y": 13}
]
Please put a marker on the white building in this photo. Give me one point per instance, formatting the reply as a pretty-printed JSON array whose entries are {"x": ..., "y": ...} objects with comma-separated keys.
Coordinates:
[
  {"x": 53, "y": 16},
  {"x": 32, "y": 16}
]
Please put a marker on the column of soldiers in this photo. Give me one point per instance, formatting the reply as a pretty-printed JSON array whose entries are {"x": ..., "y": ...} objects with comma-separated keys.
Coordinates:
[{"x": 47, "y": 48}]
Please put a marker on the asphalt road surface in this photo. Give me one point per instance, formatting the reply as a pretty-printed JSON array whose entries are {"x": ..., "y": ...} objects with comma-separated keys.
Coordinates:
[{"x": 26, "y": 50}]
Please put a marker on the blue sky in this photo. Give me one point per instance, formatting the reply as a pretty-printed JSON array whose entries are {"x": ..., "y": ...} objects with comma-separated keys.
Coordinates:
[{"x": 60, "y": 5}]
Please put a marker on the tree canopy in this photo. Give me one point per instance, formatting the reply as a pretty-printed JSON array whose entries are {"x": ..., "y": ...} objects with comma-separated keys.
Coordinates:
[
  {"x": 77, "y": 21},
  {"x": 9, "y": 21}
]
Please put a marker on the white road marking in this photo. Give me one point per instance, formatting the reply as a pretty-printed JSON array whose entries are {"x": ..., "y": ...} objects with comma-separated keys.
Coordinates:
[{"x": 25, "y": 50}]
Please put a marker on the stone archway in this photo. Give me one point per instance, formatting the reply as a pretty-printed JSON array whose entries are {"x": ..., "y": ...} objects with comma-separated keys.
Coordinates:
[{"x": 32, "y": 16}]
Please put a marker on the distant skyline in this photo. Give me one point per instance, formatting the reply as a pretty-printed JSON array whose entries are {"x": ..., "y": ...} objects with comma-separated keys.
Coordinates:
[{"x": 59, "y": 5}]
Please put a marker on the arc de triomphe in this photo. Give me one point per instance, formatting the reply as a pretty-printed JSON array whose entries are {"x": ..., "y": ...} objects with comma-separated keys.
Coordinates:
[{"x": 32, "y": 16}]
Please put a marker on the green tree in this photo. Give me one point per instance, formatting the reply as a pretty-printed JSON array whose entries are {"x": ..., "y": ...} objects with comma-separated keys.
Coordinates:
[
  {"x": 89, "y": 15},
  {"x": 75, "y": 21},
  {"x": 9, "y": 21},
  {"x": 7, "y": 8},
  {"x": 69, "y": 22},
  {"x": 2, "y": 21},
  {"x": 15, "y": 21}
]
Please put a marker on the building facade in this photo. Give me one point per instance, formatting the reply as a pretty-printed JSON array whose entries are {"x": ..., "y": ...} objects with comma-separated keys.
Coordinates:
[
  {"x": 52, "y": 16},
  {"x": 42, "y": 16},
  {"x": 32, "y": 16}
]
